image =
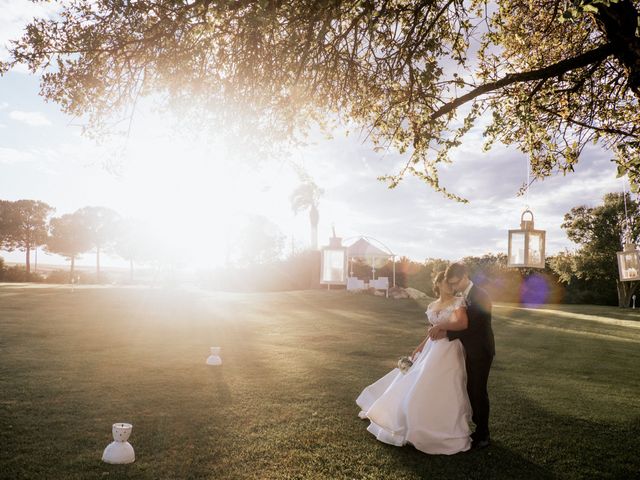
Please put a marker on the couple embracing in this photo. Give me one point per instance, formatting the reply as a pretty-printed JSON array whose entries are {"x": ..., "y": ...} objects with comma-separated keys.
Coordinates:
[{"x": 429, "y": 405}]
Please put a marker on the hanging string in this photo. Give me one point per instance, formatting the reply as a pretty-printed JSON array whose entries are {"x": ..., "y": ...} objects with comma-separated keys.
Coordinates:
[
  {"x": 626, "y": 233},
  {"x": 624, "y": 195},
  {"x": 528, "y": 162},
  {"x": 528, "y": 181}
]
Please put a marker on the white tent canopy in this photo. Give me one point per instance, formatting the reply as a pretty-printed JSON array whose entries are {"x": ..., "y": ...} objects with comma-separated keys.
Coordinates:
[{"x": 370, "y": 250}]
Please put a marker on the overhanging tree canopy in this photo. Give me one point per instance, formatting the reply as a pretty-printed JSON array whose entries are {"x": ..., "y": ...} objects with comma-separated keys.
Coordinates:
[{"x": 553, "y": 75}]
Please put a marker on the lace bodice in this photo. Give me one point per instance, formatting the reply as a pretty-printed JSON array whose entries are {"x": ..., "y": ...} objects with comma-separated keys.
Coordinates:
[{"x": 437, "y": 315}]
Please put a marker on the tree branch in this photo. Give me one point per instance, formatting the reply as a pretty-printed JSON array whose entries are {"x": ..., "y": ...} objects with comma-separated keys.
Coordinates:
[
  {"x": 563, "y": 66},
  {"x": 614, "y": 131}
]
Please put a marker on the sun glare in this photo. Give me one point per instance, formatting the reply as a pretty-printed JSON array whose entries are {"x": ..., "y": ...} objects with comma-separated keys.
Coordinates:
[{"x": 193, "y": 200}]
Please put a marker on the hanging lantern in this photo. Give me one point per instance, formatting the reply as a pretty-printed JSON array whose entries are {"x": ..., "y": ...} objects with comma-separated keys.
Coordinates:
[
  {"x": 629, "y": 263},
  {"x": 526, "y": 245},
  {"x": 333, "y": 270}
]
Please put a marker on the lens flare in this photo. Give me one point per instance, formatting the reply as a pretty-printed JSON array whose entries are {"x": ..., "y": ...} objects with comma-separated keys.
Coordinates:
[{"x": 538, "y": 289}]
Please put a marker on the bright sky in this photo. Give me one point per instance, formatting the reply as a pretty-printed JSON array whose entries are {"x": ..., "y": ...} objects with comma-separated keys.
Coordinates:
[{"x": 182, "y": 183}]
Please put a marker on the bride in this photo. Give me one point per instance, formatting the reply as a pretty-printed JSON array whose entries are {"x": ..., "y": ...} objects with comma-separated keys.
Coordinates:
[{"x": 427, "y": 406}]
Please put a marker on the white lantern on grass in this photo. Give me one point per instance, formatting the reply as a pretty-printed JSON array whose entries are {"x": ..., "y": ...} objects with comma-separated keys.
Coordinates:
[
  {"x": 214, "y": 358},
  {"x": 120, "y": 450}
]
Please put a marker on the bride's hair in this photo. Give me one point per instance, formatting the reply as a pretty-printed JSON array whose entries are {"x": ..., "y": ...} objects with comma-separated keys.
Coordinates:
[{"x": 436, "y": 283}]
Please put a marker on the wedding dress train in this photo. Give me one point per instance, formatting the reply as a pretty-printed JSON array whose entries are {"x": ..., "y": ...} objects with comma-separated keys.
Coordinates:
[{"x": 428, "y": 405}]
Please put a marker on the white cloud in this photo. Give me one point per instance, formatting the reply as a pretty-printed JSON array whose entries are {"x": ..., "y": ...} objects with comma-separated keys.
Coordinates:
[
  {"x": 33, "y": 119},
  {"x": 415, "y": 221},
  {"x": 12, "y": 155},
  {"x": 3, "y": 105}
]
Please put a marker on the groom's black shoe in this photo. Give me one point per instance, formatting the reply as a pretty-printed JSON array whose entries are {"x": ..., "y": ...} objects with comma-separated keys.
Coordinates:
[{"x": 480, "y": 443}]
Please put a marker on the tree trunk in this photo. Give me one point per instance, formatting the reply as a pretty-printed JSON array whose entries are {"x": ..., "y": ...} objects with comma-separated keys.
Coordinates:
[
  {"x": 131, "y": 269},
  {"x": 314, "y": 237},
  {"x": 625, "y": 292},
  {"x": 631, "y": 288},
  {"x": 98, "y": 264},
  {"x": 314, "y": 271},
  {"x": 71, "y": 270},
  {"x": 28, "y": 261},
  {"x": 314, "y": 219},
  {"x": 620, "y": 289}
]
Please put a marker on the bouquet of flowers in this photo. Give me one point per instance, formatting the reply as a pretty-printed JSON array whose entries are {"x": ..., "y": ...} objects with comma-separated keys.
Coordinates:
[{"x": 404, "y": 364}]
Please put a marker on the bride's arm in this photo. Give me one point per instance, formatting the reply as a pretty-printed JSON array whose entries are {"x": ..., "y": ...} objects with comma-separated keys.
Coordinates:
[
  {"x": 458, "y": 321},
  {"x": 419, "y": 348}
]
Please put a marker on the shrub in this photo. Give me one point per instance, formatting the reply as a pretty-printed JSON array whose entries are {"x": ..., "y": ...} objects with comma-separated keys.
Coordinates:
[
  {"x": 299, "y": 272},
  {"x": 18, "y": 273},
  {"x": 58, "y": 276}
]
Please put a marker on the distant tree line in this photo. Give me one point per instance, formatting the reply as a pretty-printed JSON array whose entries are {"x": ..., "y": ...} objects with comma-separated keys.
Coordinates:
[
  {"x": 600, "y": 232},
  {"x": 27, "y": 225},
  {"x": 511, "y": 285},
  {"x": 526, "y": 286},
  {"x": 587, "y": 275}
]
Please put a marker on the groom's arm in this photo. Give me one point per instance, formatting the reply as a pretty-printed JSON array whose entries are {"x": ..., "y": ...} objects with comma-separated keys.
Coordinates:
[
  {"x": 483, "y": 303},
  {"x": 482, "y": 306},
  {"x": 453, "y": 335}
]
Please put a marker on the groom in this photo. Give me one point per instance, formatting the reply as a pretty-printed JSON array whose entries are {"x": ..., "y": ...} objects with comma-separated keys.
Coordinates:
[{"x": 479, "y": 346}]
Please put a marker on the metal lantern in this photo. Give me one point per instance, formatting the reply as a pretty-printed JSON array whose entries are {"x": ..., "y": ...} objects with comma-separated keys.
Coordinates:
[
  {"x": 526, "y": 245},
  {"x": 333, "y": 270},
  {"x": 629, "y": 263}
]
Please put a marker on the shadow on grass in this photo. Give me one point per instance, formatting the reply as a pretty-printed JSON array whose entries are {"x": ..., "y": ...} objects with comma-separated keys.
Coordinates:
[
  {"x": 283, "y": 403},
  {"x": 497, "y": 461},
  {"x": 534, "y": 444}
]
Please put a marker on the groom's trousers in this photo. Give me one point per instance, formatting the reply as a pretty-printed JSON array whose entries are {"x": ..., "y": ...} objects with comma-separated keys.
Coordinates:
[{"x": 477, "y": 377}]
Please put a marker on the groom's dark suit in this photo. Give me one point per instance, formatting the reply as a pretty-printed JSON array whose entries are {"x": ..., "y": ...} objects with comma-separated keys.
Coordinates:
[{"x": 480, "y": 349}]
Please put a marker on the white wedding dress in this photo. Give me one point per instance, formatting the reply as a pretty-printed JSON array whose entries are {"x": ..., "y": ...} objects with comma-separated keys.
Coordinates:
[{"x": 428, "y": 405}]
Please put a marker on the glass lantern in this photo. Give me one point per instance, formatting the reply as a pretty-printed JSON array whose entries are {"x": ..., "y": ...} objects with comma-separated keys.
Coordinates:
[
  {"x": 526, "y": 245},
  {"x": 333, "y": 270},
  {"x": 629, "y": 263}
]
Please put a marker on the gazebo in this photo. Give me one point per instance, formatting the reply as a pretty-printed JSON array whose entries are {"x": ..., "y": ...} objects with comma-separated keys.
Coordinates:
[{"x": 370, "y": 250}]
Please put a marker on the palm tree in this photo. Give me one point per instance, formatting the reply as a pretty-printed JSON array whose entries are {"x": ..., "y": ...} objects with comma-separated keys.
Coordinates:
[{"x": 306, "y": 197}]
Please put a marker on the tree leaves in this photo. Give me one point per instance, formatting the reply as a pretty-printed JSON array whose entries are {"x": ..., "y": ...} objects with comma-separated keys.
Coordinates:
[
  {"x": 408, "y": 72},
  {"x": 600, "y": 232}
]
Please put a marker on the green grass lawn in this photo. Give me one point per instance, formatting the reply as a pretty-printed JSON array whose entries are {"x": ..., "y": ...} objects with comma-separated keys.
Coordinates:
[{"x": 565, "y": 386}]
